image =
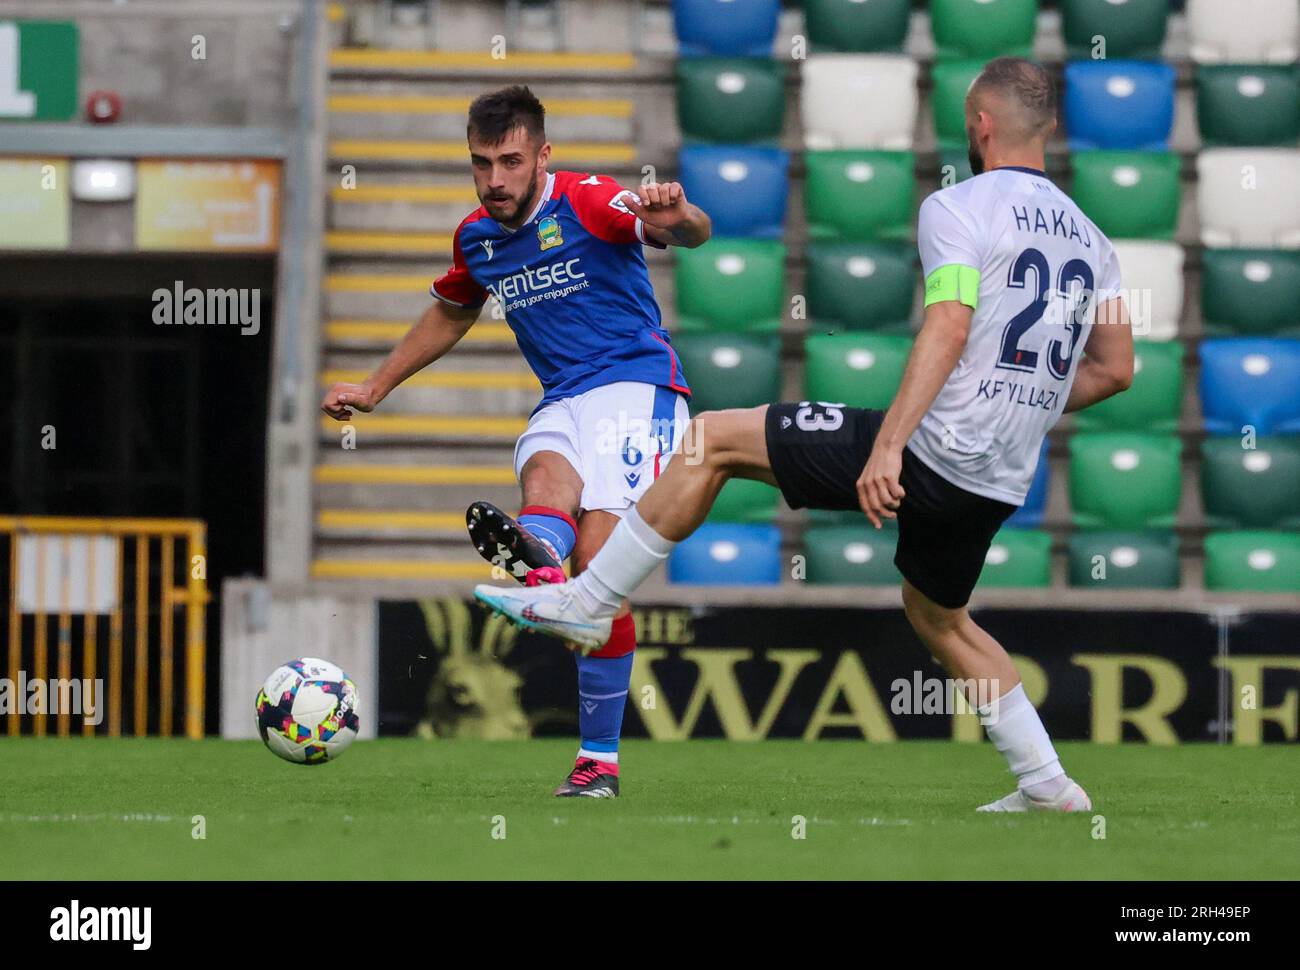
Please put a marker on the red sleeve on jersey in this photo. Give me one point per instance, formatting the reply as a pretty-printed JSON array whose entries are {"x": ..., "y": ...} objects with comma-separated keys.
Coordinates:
[
  {"x": 456, "y": 286},
  {"x": 598, "y": 202}
]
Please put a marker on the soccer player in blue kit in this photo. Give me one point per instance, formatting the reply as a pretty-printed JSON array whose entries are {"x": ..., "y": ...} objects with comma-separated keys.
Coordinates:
[{"x": 561, "y": 252}]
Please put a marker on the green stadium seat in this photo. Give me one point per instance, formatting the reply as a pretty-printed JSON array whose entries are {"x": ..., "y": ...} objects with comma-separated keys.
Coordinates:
[
  {"x": 1018, "y": 558},
  {"x": 731, "y": 284},
  {"x": 730, "y": 370},
  {"x": 1128, "y": 560},
  {"x": 1125, "y": 480},
  {"x": 730, "y": 100},
  {"x": 743, "y": 500},
  {"x": 1251, "y": 488},
  {"x": 1248, "y": 105},
  {"x": 851, "y": 25},
  {"x": 1129, "y": 194},
  {"x": 948, "y": 101},
  {"x": 1131, "y": 28},
  {"x": 859, "y": 194},
  {"x": 1253, "y": 561},
  {"x": 861, "y": 285},
  {"x": 1152, "y": 403},
  {"x": 856, "y": 555},
  {"x": 983, "y": 28},
  {"x": 858, "y": 369},
  {"x": 1250, "y": 292}
]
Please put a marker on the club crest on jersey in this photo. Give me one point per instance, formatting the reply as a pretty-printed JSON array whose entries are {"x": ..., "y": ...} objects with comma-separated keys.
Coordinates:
[{"x": 548, "y": 233}]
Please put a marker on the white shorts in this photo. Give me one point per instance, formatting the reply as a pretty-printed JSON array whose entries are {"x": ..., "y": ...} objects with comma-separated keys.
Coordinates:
[{"x": 618, "y": 438}]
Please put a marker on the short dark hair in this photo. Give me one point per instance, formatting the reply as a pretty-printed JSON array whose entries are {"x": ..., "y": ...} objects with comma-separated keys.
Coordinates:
[
  {"x": 494, "y": 115},
  {"x": 1025, "y": 84}
]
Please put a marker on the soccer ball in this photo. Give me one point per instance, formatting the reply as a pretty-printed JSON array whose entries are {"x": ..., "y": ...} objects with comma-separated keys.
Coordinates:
[{"x": 307, "y": 711}]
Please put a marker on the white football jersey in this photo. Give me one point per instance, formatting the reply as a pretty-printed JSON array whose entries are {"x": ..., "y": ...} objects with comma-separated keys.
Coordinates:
[{"x": 1043, "y": 269}]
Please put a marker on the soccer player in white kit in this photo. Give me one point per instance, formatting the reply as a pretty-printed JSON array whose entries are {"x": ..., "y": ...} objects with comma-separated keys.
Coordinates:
[{"x": 1024, "y": 321}]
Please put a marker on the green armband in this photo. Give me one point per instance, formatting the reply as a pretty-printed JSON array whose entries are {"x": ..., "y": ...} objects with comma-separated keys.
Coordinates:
[{"x": 953, "y": 282}]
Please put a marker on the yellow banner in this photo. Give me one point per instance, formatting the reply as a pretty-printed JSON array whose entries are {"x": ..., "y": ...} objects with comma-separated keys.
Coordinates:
[
  {"x": 33, "y": 203},
  {"x": 185, "y": 206}
]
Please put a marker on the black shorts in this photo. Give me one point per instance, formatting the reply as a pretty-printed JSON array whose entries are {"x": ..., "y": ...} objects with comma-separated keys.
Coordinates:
[{"x": 817, "y": 453}]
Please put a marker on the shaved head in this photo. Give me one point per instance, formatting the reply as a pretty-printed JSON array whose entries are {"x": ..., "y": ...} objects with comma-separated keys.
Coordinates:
[{"x": 1012, "y": 102}]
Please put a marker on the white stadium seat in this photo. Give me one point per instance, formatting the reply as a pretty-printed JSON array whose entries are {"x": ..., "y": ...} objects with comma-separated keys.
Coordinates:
[
  {"x": 859, "y": 101},
  {"x": 1249, "y": 197},
  {"x": 1243, "y": 31},
  {"x": 1151, "y": 274}
]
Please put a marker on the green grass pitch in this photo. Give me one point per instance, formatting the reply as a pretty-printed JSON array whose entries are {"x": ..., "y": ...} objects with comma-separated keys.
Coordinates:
[{"x": 405, "y": 809}]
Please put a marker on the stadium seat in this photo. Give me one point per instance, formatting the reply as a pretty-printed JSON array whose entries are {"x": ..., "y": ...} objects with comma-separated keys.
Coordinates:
[
  {"x": 1124, "y": 480},
  {"x": 1153, "y": 402},
  {"x": 1247, "y": 197},
  {"x": 983, "y": 28},
  {"x": 730, "y": 370},
  {"x": 951, "y": 80},
  {"x": 730, "y": 100},
  {"x": 1131, "y": 28},
  {"x": 854, "y": 26},
  {"x": 858, "y": 369},
  {"x": 728, "y": 554},
  {"x": 1119, "y": 104},
  {"x": 859, "y": 195},
  {"x": 1220, "y": 34},
  {"x": 886, "y": 82},
  {"x": 1248, "y": 105},
  {"x": 742, "y": 189},
  {"x": 743, "y": 500},
  {"x": 1129, "y": 195},
  {"x": 731, "y": 28},
  {"x": 1106, "y": 559},
  {"x": 1251, "y": 488},
  {"x": 1152, "y": 277},
  {"x": 854, "y": 555},
  {"x": 1250, "y": 382},
  {"x": 1253, "y": 561},
  {"x": 1250, "y": 292},
  {"x": 861, "y": 285},
  {"x": 1018, "y": 558},
  {"x": 1030, "y": 515},
  {"x": 730, "y": 284}
]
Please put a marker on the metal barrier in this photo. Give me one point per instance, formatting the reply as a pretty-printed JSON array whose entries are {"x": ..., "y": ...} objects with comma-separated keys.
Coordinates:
[{"x": 61, "y": 568}]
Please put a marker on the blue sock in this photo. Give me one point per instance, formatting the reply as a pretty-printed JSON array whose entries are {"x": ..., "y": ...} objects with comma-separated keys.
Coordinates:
[
  {"x": 551, "y": 525},
  {"x": 602, "y": 692}
]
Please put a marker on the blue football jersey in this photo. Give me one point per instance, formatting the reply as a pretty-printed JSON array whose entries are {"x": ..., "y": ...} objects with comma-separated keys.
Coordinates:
[{"x": 574, "y": 286}]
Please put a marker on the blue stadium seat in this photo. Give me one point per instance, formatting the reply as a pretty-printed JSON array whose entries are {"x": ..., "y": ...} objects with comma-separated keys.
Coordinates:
[
  {"x": 743, "y": 189},
  {"x": 1251, "y": 382},
  {"x": 1119, "y": 104},
  {"x": 728, "y": 554},
  {"x": 734, "y": 28},
  {"x": 1030, "y": 515}
]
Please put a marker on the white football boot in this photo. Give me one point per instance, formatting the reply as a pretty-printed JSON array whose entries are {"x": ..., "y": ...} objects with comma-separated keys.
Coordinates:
[
  {"x": 549, "y": 609},
  {"x": 1071, "y": 799}
]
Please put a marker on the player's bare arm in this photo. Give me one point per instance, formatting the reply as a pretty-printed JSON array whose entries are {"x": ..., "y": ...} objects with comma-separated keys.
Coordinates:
[
  {"x": 436, "y": 332},
  {"x": 935, "y": 353},
  {"x": 1107, "y": 365},
  {"x": 668, "y": 217}
]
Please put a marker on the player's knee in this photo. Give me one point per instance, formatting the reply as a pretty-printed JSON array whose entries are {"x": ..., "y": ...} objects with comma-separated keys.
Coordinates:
[{"x": 931, "y": 621}]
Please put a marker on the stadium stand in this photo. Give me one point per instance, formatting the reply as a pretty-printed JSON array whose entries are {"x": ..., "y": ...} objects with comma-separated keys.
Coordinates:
[
  {"x": 728, "y": 554},
  {"x": 813, "y": 264}
]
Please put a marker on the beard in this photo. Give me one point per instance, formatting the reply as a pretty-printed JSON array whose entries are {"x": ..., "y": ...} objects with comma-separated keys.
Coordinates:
[
  {"x": 976, "y": 160},
  {"x": 522, "y": 205}
]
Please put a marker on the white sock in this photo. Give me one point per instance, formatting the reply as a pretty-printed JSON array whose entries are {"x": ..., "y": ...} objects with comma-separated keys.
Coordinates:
[
  {"x": 630, "y": 554},
  {"x": 609, "y": 757},
  {"x": 1014, "y": 727}
]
